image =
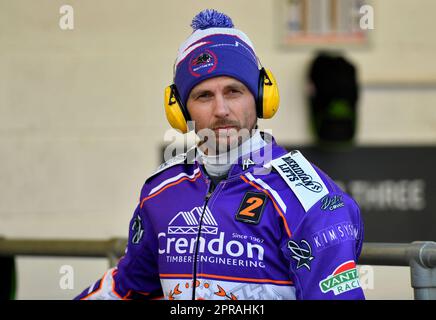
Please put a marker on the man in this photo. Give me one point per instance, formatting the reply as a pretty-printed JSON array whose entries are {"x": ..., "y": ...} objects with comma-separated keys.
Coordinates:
[{"x": 245, "y": 219}]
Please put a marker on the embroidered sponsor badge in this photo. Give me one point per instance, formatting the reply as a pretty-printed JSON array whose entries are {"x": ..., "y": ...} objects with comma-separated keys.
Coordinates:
[
  {"x": 301, "y": 177},
  {"x": 336, "y": 234},
  {"x": 345, "y": 278},
  {"x": 302, "y": 253},
  {"x": 138, "y": 230},
  {"x": 331, "y": 203},
  {"x": 251, "y": 208}
]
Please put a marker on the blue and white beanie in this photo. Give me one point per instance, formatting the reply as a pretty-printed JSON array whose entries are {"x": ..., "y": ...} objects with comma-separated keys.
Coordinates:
[{"x": 215, "y": 48}]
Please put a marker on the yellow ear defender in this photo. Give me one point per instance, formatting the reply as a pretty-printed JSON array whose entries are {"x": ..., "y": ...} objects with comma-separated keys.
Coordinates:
[
  {"x": 267, "y": 102},
  {"x": 176, "y": 114},
  {"x": 268, "y": 98}
]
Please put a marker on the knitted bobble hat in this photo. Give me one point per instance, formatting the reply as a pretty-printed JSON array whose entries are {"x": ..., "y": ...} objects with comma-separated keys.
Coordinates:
[{"x": 215, "y": 48}]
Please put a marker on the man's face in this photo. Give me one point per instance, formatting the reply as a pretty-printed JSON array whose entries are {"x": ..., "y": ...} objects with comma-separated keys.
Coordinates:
[{"x": 227, "y": 108}]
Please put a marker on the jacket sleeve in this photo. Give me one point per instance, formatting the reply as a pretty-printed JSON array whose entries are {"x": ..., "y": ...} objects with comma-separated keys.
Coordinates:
[
  {"x": 136, "y": 276},
  {"x": 324, "y": 248}
]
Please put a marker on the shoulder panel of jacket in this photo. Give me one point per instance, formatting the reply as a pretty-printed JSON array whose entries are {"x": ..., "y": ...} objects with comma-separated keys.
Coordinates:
[
  {"x": 301, "y": 177},
  {"x": 176, "y": 167},
  {"x": 180, "y": 158}
]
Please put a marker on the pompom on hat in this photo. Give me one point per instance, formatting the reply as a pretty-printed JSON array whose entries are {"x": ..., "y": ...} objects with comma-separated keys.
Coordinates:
[{"x": 215, "y": 48}]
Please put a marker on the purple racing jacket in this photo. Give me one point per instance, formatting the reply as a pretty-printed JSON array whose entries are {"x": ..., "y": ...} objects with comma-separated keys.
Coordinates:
[{"x": 280, "y": 229}]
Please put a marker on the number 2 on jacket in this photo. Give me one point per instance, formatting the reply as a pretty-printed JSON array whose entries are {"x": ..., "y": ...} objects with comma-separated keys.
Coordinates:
[{"x": 251, "y": 207}]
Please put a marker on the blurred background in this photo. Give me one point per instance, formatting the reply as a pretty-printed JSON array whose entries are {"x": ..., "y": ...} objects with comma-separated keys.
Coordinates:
[{"x": 82, "y": 122}]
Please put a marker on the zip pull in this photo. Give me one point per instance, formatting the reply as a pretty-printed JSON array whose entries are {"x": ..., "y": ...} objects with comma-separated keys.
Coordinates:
[{"x": 209, "y": 191}]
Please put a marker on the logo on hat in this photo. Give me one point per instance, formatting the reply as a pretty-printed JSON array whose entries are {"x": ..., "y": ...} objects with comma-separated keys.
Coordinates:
[{"x": 205, "y": 62}]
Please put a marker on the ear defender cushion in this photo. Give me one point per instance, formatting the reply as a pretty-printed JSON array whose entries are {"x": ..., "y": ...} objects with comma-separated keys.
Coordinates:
[
  {"x": 268, "y": 99},
  {"x": 176, "y": 114}
]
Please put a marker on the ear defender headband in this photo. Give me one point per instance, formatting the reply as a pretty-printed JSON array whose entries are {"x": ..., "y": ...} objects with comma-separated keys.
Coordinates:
[
  {"x": 216, "y": 48},
  {"x": 267, "y": 102}
]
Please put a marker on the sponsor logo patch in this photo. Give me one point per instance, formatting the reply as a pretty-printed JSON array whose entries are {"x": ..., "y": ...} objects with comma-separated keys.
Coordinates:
[
  {"x": 138, "y": 230},
  {"x": 187, "y": 222},
  {"x": 182, "y": 237},
  {"x": 331, "y": 203},
  {"x": 345, "y": 278},
  {"x": 335, "y": 234},
  {"x": 302, "y": 253},
  {"x": 301, "y": 177}
]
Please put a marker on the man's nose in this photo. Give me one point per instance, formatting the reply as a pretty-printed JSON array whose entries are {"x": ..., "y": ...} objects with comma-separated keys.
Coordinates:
[{"x": 221, "y": 108}]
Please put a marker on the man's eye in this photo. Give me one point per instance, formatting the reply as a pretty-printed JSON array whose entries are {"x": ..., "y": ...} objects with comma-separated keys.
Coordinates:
[
  {"x": 235, "y": 91},
  {"x": 203, "y": 96}
]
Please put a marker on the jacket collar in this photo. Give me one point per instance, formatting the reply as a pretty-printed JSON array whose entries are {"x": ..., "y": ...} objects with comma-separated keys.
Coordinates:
[{"x": 255, "y": 160}]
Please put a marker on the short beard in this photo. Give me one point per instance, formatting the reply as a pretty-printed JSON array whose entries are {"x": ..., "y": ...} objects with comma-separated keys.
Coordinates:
[{"x": 211, "y": 144}]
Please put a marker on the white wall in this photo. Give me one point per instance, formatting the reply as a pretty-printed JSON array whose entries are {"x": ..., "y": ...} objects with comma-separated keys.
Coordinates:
[{"x": 81, "y": 114}]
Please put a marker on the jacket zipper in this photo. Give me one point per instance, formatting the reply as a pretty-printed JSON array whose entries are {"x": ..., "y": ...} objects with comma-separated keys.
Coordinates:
[{"x": 206, "y": 200}]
